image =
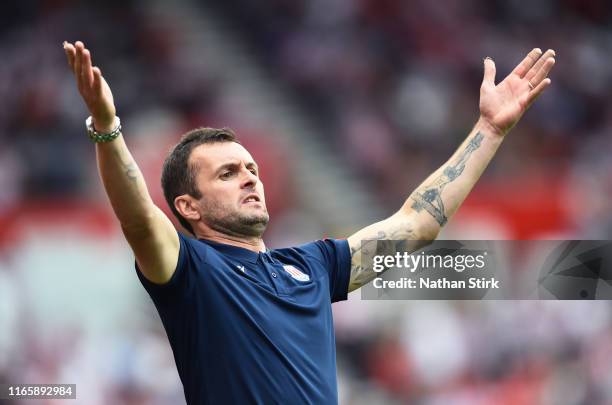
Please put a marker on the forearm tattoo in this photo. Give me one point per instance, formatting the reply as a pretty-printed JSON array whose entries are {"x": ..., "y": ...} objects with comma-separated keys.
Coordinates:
[
  {"x": 400, "y": 239},
  {"x": 131, "y": 170},
  {"x": 430, "y": 197},
  {"x": 136, "y": 185},
  {"x": 128, "y": 165}
]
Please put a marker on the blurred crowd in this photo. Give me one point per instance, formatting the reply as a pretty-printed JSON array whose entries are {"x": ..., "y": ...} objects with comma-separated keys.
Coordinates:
[
  {"x": 158, "y": 92},
  {"x": 395, "y": 84},
  {"x": 393, "y": 87},
  {"x": 482, "y": 353}
]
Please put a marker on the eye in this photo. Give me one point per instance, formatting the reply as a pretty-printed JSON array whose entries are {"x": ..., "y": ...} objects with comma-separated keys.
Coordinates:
[
  {"x": 254, "y": 171},
  {"x": 226, "y": 175}
]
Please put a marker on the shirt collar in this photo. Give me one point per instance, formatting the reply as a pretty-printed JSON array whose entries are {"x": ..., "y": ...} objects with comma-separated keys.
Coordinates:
[{"x": 234, "y": 251}]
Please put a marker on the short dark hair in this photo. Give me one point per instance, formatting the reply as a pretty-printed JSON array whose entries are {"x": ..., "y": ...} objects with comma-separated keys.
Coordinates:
[{"x": 178, "y": 175}]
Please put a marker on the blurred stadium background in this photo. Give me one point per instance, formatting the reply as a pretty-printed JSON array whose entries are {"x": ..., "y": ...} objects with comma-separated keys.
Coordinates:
[{"x": 347, "y": 105}]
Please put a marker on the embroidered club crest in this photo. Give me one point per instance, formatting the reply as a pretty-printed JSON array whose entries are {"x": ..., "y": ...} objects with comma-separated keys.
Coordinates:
[{"x": 295, "y": 273}]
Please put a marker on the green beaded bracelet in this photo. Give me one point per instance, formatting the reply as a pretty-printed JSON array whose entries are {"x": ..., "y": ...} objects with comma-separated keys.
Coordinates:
[{"x": 99, "y": 137}]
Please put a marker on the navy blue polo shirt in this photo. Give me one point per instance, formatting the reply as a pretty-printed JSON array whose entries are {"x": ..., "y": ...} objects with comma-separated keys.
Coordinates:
[{"x": 254, "y": 328}]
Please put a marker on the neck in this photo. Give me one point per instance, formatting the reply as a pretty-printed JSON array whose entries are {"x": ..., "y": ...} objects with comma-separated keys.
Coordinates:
[{"x": 251, "y": 243}]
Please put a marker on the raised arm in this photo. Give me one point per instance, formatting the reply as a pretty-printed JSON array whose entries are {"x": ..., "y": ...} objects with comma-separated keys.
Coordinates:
[
  {"x": 149, "y": 232},
  {"x": 432, "y": 204}
]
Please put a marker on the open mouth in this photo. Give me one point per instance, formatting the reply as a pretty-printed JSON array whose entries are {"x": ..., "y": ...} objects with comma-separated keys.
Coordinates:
[{"x": 251, "y": 198}]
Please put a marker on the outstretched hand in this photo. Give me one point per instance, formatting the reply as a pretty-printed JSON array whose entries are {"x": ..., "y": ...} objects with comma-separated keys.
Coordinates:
[
  {"x": 502, "y": 105},
  {"x": 93, "y": 88}
]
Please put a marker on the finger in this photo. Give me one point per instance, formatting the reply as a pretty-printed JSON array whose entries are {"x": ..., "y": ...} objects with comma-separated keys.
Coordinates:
[
  {"x": 543, "y": 72},
  {"x": 538, "y": 65},
  {"x": 489, "y": 72},
  {"x": 69, "y": 51},
  {"x": 78, "y": 60},
  {"x": 72, "y": 55},
  {"x": 97, "y": 79},
  {"x": 535, "y": 93},
  {"x": 522, "y": 68},
  {"x": 86, "y": 71}
]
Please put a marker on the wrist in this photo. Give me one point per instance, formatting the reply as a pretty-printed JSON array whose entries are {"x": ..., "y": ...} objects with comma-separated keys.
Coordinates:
[
  {"x": 104, "y": 126},
  {"x": 99, "y": 136},
  {"x": 488, "y": 128}
]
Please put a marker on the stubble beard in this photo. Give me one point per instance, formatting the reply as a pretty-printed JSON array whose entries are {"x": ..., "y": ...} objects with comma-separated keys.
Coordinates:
[{"x": 232, "y": 222}]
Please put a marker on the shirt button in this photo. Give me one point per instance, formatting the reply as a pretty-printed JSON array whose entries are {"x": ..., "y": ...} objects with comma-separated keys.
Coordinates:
[{"x": 274, "y": 275}]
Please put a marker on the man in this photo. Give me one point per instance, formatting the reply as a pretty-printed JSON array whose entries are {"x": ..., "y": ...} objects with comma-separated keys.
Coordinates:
[{"x": 246, "y": 324}]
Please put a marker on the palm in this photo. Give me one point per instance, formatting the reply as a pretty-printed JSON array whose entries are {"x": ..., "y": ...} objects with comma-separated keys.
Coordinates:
[
  {"x": 502, "y": 105},
  {"x": 94, "y": 89},
  {"x": 101, "y": 103}
]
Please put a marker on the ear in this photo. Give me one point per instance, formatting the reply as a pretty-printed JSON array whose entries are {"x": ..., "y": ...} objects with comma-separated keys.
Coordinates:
[{"x": 187, "y": 206}]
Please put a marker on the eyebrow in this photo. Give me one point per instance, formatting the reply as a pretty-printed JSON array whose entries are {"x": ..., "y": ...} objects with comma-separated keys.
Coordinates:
[{"x": 234, "y": 165}]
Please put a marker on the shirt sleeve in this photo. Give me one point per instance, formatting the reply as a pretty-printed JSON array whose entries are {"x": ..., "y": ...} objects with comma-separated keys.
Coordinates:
[
  {"x": 180, "y": 284},
  {"x": 335, "y": 256}
]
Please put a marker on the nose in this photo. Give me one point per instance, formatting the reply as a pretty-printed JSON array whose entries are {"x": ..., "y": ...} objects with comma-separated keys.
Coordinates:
[{"x": 249, "y": 180}]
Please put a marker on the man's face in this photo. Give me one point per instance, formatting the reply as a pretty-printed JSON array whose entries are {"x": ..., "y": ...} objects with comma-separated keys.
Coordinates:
[{"x": 233, "y": 200}]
